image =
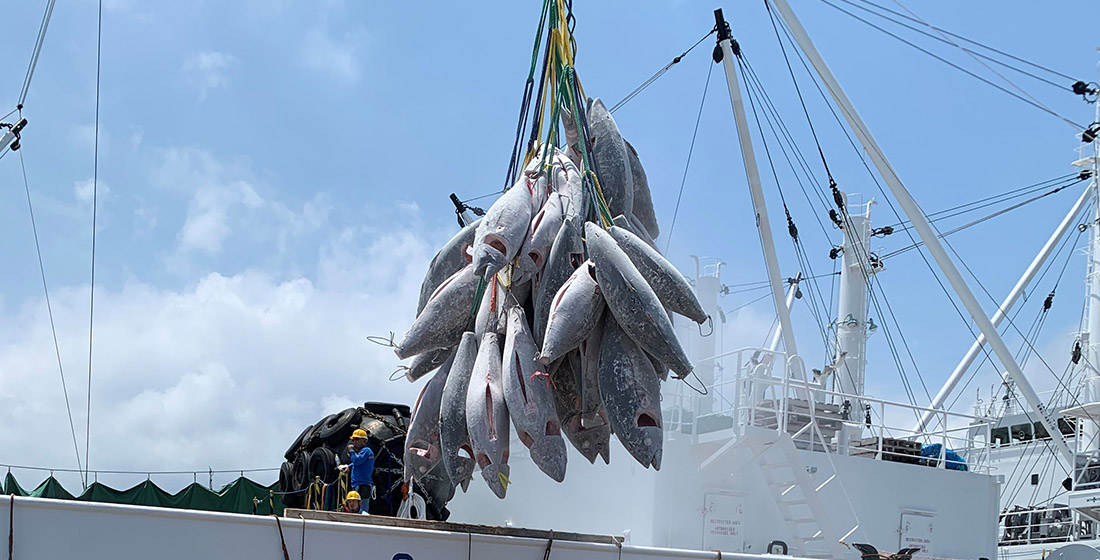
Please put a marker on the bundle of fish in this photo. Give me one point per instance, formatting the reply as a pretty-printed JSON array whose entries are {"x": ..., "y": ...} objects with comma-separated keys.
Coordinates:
[{"x": 572, "y": 332}]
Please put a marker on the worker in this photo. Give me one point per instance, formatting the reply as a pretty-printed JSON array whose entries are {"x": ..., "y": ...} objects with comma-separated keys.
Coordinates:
[
  {"x": 362, "y": 464},
  {"x": 354, "y": 503}
]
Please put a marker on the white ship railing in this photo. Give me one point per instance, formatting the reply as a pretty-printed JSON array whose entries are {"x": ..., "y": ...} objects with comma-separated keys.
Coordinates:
[
  {"x": 1057, "y": 523},
  {"x": 746, "y": 392}
]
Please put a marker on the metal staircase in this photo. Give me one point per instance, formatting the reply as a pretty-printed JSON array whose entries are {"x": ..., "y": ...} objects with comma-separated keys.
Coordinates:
[{"x": 796, "y": 493}]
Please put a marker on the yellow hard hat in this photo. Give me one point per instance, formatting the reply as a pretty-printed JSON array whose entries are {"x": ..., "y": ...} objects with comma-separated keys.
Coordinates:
[
  {"x": 359, "y": 434},
  {"x": 353, "y": 495}
]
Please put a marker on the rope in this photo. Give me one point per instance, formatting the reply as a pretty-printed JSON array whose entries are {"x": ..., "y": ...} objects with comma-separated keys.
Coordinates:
[
  {"x": 11, "y": 527},
  {"x": 691, "y": 149},
  {"x": 282, "y": 540},
  {"x": 549, "y": 545},
  {"x": 942, "y": 39},
  {"x": 983, "y": 219},
  {"x": 49, "y": 310},
  {"x": 649, "y": 81},
  {"x": 798, "y": 90},
  {"x": 1031, "y": 102},
  {"x": 973, "y": 42},
  {"x": 95, "y": 205},
  {"x": 34, "y": 54}
]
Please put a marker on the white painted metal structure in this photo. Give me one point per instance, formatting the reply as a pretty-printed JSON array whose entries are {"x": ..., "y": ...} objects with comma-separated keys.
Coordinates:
[
  {"x": 752, "y": 173},
  {"x": 850, "y": 362},
  {"x": 1002, "y": 311},
  {"x": 920, "y": 223}
]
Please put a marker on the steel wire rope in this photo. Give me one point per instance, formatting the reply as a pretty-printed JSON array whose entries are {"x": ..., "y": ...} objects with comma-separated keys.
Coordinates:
[
  {"x": 770, "y": 106},
  {"x": 992, "y": 199},
  {"x": 973, "y": 42},
  {"x": 753, "y": 80},
  {"x": 780, "y": 140},
  {"x": 758, "y": 91},
  {"x": 895, "y": 354},
  {"x": 35, "y": 53},
  {"x": 979, "y": 61},
  {"x": 1013, "y": 325},
  {"x": 1033, "y": 103},
  {"x": 775, "y": 176},
  {"x": 95, "y": 205},
  {"x": 980, "y": 220},
  {"x": 691, "y": 149},
  {"x": 798, "y": 90},
  {"x": 906, "y": 384},
  {"x": 948, "y": 42},
  {"x": 1065, "y": 242},
  {"x": 874, "y": 177},
  {"x": 753, "y": 83},
  {"x": 49, "y": 311},
  {"x": 649, "y": 81}
]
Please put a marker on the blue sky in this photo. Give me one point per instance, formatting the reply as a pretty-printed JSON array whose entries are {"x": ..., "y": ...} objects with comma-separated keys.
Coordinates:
[{"x": 274, "y": 177}]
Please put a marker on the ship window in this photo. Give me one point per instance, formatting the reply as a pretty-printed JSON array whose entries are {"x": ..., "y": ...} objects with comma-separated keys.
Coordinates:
[
  {"x": 1000, "y": 436},
  {"x": 1040, "y": 431},
  {"x": 1067, "y": 426},
  {"x": 1021, "y": 432},
  {"x": 1034, "y": 479}
]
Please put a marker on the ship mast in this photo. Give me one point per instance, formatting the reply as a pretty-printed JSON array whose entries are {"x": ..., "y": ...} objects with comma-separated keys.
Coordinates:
[
  {"x": 857, "y": 266},
  {"x": 1090, "y": 339},
  {"x": 924, "y": 229},
  {"x": 730, "y": 49}
]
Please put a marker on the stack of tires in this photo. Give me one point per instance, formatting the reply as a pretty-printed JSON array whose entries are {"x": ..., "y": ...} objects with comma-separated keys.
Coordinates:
[{"x": 321, "y": 446}]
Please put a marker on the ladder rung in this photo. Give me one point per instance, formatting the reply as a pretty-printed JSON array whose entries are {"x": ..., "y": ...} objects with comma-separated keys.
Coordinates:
[
  {"x": 790, "y": 503},
  {"x": 804, "y": 520}
]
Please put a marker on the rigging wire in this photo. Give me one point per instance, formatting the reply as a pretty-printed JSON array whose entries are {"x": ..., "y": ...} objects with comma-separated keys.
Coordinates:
[
  {"x": 753, "y": 95},
  {"x": 1013, "y": 325},
  {"x": 1065, "y": 243},
  {"x": 981, "y": 220},
  {"x": 991, "y": 200},
  {"x": 973, "y": 42},
  {"x": 970, "y": 73},
  {"x": 878, "y": 184},
  {"x": 649, "y": 81},
  {"x": 868, "y": 278},
  {"x": 34, "y": 54},
  {"x": 798, "y": 90},
  {"x": 95, "y": 196},
  {"x": 944, "y": 40},
  {"x": 979, "y": 61},
  {"x": 691, "y": 149},
  {"x": 49, "y": 310}
]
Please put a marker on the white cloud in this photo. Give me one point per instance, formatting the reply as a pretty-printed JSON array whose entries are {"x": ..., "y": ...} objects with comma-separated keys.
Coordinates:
[
  {"x": 223, "y": 372},
  {"x": 225, "y": 199},
  {"x": 206, "y": 71},
  {"x": 337, "y": 57},
  {"x": 86, "y": 190}
]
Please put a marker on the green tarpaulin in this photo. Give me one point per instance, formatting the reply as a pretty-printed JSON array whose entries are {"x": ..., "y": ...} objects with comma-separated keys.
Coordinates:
[{"x": 235, "y": 497}]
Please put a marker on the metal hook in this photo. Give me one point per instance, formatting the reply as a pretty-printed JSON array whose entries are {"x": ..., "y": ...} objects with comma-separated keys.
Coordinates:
[{"x": 709, "y": 320}]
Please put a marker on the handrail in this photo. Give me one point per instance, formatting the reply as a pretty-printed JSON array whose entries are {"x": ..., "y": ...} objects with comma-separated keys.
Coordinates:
[{"x": 774, "y": 392}]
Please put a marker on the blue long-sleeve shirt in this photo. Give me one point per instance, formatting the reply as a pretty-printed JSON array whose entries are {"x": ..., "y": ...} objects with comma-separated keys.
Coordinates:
[{"x": 362, "y": 467}]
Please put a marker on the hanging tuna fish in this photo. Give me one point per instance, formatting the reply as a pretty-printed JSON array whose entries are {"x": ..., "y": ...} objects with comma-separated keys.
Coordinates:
[{"x": 551, "y": 314}]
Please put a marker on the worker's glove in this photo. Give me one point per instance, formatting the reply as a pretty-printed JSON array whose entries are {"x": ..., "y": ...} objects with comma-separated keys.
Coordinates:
[
  {"x": 373, "y": 492},
  {"x": 341, "y": 468}
]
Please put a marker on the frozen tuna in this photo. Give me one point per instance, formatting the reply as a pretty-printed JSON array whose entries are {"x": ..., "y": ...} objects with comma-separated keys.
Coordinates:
[
  {"x": 487, "y": 415},
  {"x": 528, "y": 392},
  {"x": 454, "y": 436},
  {"x": 632, "y": 395},
  {"x": 444, "y": 318},
  {"x": 633, "y": 303}
]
